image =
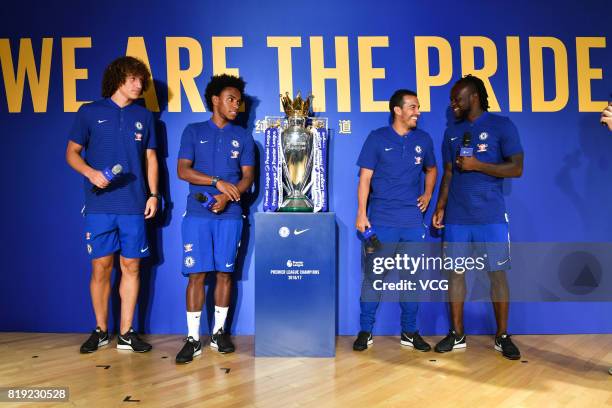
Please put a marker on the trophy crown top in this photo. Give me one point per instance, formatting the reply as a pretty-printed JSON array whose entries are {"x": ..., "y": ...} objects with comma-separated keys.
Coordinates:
[{"x": 296, "y": 107}]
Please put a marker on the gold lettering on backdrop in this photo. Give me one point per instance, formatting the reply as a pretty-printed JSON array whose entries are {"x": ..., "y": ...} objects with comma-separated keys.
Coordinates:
[
  {"x": 425, "y": 80},
  {"x": 586, "y": 73},
  {"x": 136, "y": 48},
  {"x": 71, "y": 73},
  {"x": 367, "y": 73},
  {"x": 285, "y": 65},
  {"x": 183, "y": 79},
  {"x": 536, "y": 61},
  {"x": 515, "y": 86},
  {"x": 340, "y": 73},
  {"x": 26, "y": 67},
  {"x": 468, "y": 45}
]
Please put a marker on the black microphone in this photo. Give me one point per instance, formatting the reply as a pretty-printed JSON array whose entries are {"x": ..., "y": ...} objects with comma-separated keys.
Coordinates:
[
  {"x": 206, "y": 199},
  {"x": 109, "y": 173},
  {"x": 466, "y": 150}
]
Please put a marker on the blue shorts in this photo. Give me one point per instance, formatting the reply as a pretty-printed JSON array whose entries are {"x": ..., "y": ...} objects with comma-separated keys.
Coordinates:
[
  {"x": 490, "y": 241},
  {"x": 108, "y": 233},
  {"x": 210, "y": 244}
]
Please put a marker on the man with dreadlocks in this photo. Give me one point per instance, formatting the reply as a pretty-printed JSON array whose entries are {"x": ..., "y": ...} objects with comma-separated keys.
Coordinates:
[
  {"x": 116, "y": 134},
  {"x": 471, "y": 206},
  {"x": 217, "y": 159}
]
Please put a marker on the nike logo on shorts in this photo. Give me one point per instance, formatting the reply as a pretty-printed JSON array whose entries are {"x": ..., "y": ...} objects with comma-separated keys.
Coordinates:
[
  {"x": 388, "y": 148},
  {"x": 102, "y": 121},
  {"x": 203, "y": 141},
  {"x": 453, "y": 138},
  {"x": 142, "y": 251},
  {"x": 501, "y": 263},
  {"x": 228, "y": 265}
]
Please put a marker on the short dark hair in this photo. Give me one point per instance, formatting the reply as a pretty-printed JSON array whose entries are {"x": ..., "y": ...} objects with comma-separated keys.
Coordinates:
[
  {"x": 117, "y": 72},
  {"x": 477, "y": 86},
  {"x": 397, "y": 99},
  {"x": 218, "y": 83}
]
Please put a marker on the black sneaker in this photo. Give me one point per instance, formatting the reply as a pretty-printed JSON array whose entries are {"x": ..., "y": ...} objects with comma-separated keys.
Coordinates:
[
  {"x": 450, "y": 342},
  {"x": 222, "y": 342},
  {"x": 364, "y": 340},
  {"x": 504, "y": 344},
  {"x": 97, "y": 339},
  {"x": 191, "y": 349},
  {"x": 131, "y": 341},
  {"x": 414, "y": 340}
]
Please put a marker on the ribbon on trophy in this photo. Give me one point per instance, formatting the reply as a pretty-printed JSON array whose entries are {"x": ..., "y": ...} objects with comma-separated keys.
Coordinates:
[
  {"x": 271, "y": 174},
  {"x": 318, "y": 190}
]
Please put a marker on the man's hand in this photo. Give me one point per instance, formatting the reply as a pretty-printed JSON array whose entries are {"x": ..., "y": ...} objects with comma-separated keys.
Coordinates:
[
  {"x": 437, "y": 218},
  {"x": 228, "y": 188},
  {"x": 423, "y": 202},
  {"x": 362, "y": 223},
  {"x": 468, "y": 163},
  {"x": 606, "y": 117},
  {"x": 96, "y": 177},
  {"x": 151, "y": 207},
  {"x": 222, "y": 201}
]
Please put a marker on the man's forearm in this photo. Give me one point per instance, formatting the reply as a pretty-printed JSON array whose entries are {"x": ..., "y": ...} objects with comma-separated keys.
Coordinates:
[
  {"x": 502, "y": 170},
  {"x": 79, "y": 164},
  {"x": 244, "y": 184},
  {"x": 153, "y": 174},
  {"x": 430, "y": 181},
  {"x": 444, "y": 188},
  {"x": 363, "y": 191}
]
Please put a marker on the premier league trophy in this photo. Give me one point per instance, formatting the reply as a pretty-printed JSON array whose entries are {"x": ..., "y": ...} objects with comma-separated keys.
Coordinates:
[{"x": 296, "y": 160}]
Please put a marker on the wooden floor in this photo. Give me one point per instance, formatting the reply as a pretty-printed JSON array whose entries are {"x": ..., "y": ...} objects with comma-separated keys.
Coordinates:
[{"x": 554, "y": 371}]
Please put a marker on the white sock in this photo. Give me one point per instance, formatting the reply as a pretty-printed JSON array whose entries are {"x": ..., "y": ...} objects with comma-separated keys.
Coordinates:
[
  {"x": 193, "y": 324},
  {"x": 220, "y": 315}
]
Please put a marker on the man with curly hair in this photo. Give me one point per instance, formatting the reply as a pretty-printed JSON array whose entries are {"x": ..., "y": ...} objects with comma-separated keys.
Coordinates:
[
  {"x": 217, "y": 159},
  {"x": 120, "y": 168}
]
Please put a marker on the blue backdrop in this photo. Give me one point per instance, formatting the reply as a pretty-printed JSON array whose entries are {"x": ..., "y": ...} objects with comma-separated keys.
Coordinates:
[{"x": 61, "y": 51}]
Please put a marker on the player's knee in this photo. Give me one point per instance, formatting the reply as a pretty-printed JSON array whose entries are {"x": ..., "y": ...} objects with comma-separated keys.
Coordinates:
[
  {"x": 197, "y": 278},
  {"x": 102, "y": 268},
  {"x": 130, "y": 267},
  {"x": 498, "y": 279},
  {"x": 223, "y": 277}
]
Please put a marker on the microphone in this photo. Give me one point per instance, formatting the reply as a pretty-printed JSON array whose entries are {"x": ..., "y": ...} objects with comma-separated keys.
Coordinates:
[
  {"x": 466, "y": 150},
  {"x": 206, "y": 199},
  {"x": 370, "y": 240},
  {"x": 109, "y": 173}
]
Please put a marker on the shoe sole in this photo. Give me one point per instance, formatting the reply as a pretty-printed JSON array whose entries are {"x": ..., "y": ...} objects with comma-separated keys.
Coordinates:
[
  {"x": 100, "y": 344},
  {"x": 370, "y": 342},
  {"x": 195, "y": 354},
  {"x": 455, "y": 347},
  {"x": 498, "y": 348},
  {"x": 409, "y": 344},
  {"x": 128, "y": 347},
  {"x": 215, "y": 347}
]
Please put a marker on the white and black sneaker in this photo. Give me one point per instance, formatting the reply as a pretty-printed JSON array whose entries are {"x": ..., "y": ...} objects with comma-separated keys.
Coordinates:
[
  {"x": 97, "y": 339},
  {"x": 504, "y": 345},
  {"x": 222, "y": 342},
  {"x": 414, "y": 340},
  {"x": 363, "y": 341},
  {"x": 451, "y": 342},
  {"x": 191, "y": 349},
  {"x": 131, "y": 341}
]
